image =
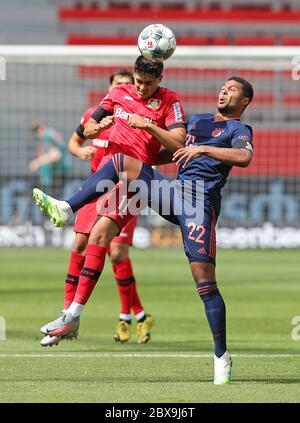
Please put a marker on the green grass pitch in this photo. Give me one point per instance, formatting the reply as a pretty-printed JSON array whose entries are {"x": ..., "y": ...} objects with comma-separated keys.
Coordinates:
[{"x": 261, "y": 290}]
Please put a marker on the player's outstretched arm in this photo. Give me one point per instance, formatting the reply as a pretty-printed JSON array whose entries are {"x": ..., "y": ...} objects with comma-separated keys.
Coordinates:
[
  {"x": 240, "y": 157},
  {"x": 172, "y": 140}
]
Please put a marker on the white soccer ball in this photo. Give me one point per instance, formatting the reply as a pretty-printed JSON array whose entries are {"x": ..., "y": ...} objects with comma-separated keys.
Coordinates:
[{"x": 157, "y": 42}]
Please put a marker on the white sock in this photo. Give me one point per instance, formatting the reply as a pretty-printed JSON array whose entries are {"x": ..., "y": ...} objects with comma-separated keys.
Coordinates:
[
  {"x": 66, "y": 208},
  {"x": 75, "y": 309},
  {"x": 124, "y": 316},
  {"x": 140, "y": 315}
]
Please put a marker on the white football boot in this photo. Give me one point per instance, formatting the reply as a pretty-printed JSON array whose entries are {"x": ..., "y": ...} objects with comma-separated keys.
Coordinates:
[
  {"x": 49, "y": 341},
  {"x": 59, "y": 212},
  {"x": 222, "y": 369}
]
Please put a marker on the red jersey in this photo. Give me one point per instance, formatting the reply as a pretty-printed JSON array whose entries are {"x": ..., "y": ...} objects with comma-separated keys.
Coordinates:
[
  {"x": 99, "y": 143},
  {"x": 163, "y": 108}
]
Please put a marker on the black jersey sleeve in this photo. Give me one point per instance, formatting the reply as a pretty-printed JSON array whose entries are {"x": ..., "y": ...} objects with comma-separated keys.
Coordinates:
[
  {"x": 79, "y": 131},
  {"x": 100, "y": 113}
]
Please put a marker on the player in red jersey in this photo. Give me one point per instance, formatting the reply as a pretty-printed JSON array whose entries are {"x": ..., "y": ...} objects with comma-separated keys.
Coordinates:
[
  {"x": 119, "y": 247},
  {"x": 144, "y": 101},
  {"x": 145, "y": 119}
]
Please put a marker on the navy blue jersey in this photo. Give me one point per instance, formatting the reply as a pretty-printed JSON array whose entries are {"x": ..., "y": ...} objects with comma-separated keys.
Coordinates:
[{"x": 203, "y": 130}]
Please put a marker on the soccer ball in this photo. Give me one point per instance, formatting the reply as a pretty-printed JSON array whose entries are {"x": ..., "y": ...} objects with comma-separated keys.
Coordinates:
[{"x": 157, "y": 42}]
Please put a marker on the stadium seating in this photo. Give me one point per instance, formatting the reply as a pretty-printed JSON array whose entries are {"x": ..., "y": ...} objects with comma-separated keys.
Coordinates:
[
  {"x": 196, "y": 23},
  {"x": 178, "y": 14},
  {"x": 275, "y": 5},
  {"x": 255, "y": 40},
  {"x": 290, "y": 40},
  {"x": 266, "y": 160}
]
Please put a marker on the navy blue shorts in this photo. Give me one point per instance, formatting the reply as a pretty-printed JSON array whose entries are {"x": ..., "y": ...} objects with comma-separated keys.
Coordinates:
[
  {"x": 198, "y": 230},
  {"x": 199, "y": 239}
]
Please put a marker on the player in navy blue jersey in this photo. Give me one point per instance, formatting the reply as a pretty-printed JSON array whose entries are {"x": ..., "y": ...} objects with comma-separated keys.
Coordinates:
[{"x": 215, "y": 143}]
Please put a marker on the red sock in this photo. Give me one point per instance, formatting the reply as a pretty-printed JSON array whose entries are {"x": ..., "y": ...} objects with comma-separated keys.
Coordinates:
[
  {"x": 126, "y": 286},
  {"x": 136, "y": 304},
  {"x": 92, "y": 268},
  {"x": 72, "y": 278}
]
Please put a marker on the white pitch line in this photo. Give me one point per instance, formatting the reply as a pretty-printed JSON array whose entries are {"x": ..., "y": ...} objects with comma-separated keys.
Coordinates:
[{"x": 133, "y": 355}]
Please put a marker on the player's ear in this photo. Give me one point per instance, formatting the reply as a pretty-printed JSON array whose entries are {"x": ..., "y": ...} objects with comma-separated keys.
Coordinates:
[
  {"x": 245, "y": 101},
  {"x": 160, "y": 78}
]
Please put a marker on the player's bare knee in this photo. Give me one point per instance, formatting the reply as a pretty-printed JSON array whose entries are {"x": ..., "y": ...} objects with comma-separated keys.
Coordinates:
[
  {"x": 203, "y": 271},
  {"x": 80, "y": 243},
  {"x": 104, "y": 231},
  {"x": 79, "y": 249},
  {"x": 100, "y": 237}
]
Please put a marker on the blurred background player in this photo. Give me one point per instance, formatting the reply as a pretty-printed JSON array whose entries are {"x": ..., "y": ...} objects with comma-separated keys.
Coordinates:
[
  {"x": 51, "y": 160},
  {"x": 119, "y": 247}
]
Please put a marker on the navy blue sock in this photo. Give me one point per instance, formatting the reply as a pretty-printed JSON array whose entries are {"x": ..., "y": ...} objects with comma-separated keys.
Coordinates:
[
  {"x": 104, "y": 180},
  {"x": 215, "y": 312},
  {"x": 98, "y": 183}
]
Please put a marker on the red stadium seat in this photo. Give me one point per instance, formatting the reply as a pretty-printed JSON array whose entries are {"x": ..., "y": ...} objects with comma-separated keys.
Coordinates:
[
  {"x": 267, "y": 161},
  {"x": 189, "y": 40},
  {"x": 88, "y": 71},
  {"x": 219, "y": 40},
  {"x": 255, "y": 40},
  {"x": 202, "y": 40},
  {"x": 86, "y": 39},
  {"x": 179, "y": 14},
  {"x": 290, "y": 40},
  {"x": 291, "y": 100}
]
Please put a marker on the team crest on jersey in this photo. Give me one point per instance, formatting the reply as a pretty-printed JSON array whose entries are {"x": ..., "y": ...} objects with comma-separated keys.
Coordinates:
[
  {"x": 154, "y": 103},
  {"x": 217, "y": 132}
]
